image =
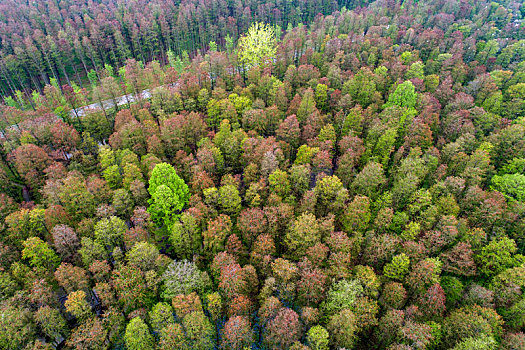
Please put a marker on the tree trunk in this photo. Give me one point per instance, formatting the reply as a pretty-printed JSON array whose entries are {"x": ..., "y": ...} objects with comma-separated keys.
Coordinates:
[
  {"x": 78, "y": 76},
  {"x": 53, "y": 71},
  {"x": 10, "y": 83},
  {"x": 65, "y": 74},
  {"x": 37, "y": 83},
  {"x": 24, "y": 88}
]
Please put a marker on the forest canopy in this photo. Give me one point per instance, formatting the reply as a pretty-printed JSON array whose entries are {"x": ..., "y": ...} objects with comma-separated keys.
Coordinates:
[{"x": 305, "y": 175}]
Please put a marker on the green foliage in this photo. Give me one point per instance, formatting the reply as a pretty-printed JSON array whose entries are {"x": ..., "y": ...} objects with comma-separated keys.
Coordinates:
[
  {"x": 515, "y": 166},
  {"x": 353, "y": 122},
  {"x": 109, "y": 232},
  {"x": 357, "y": 215},
  {"x": 229, "y": 200},
  {"x": 17, "y": 327},
  {"x": 406, "y": 57},
  {"x": 416, "y": 70},
  {"x": 496, "y": 256},
  {"x": 241, "y": 103},
  {"x": 51, "y": 322},
  {"x": 343, "y": 328},
  {"x": 76, "y": 199},
  {"x": 131, "y": 172},
  {"x": 344, "y": 191},
  {"x": 305, "y": 155},
  {"x": 258, "y": 46},
  {"x": 138, "y": 336},
  {"x": 39, "y": 254},
  {"x": 279, "y": 183},
  {"x": 321, "y": 96},
  {"x": 411, "y": 231},
  {"x": 453, "y": 288},
  {"x": 229, "y": 143},
  {"x": 306, "y": 107},
  {"x": 299, "y": 179},
  {"x": 23, "y": 224},
  {"x": 303, "y": 234},
  {"x": 331, "y": 195},
  {"x": 515, "y": 315},
  {"x": 185, "y": 235},
  {"x": 122, "y": 202},
  {"x": 342, "y": 295},
  {"x": 404, "y": 96},
  {"x": 398, "y": 268},
  {"x": 77, "y": 305},
  {"x": 143, "y": 255},
  {"x": 368, "y": 279},
  {"x": 471, "y": 322},
  {"x": 199, "y": 331},
  {"x": 160, "y": 316},
  {"x": 482, "y": 343},
  {"x": 362, "y": 88},
  {"x": 511, "y": 185},
  {"x": 92, "y": 76},
  {"x": 91, "y": 250},
  {"x": 183, "y": 277},
  {"x": 169, "y": 194},
  {"x": 381, "y": 144},
  {"x": 318, "y": 338}
]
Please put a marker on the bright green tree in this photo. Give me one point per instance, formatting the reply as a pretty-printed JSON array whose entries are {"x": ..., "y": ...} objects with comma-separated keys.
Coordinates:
[
  {"x": 39, "y": 254},
  {"x": 404, "y": 96},
  {"x": 317, "y": 338},
  {"x": 138, "y": 336},
  {"x": 398, "y": 268},
  {"x": 342, "y": 295},
  {"x": 241, "y": 103},
  {"x": 477, "y": 343},
  {"x": 331, "y": 195},
  {"x": 305, "y": 154},
  {"x": 496, "y": 256},
  {"x": 511, "y": 185},
  {"x": 416, "y": 70},
  {"x": 112, "y": 176},
  {"x": 258, "y": 46},
  {"x": 169, "y": 194}
]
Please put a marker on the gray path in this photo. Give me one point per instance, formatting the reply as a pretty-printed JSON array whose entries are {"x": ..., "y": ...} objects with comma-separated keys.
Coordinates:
[{"x": 122, "y": 100}]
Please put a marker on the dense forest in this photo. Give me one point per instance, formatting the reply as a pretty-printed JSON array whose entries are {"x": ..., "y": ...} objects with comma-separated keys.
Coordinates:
[
  {"x": 305, "y": 175},
  {"x": 64, "y": 40}
]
